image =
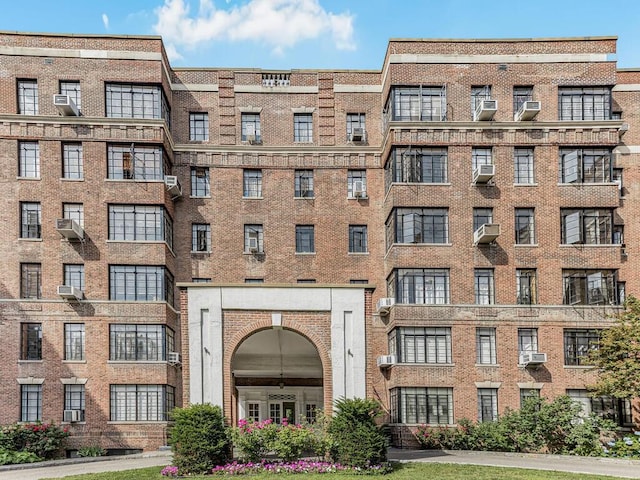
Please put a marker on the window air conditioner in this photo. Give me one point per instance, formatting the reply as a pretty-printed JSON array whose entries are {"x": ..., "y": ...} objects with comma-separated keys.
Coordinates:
[
  {"x": 173, "y": 358},
  {"x": 532, "y": 358},
  {"x": 72, "y": 416},
  {"x": 70, "y": 293},
  {"x": 485, "y": 110},
  {"x": 358, "y": 189},
  {"x": 69, "y": 228},
  {"x": 253, "y": 245},
  {"x": 384, "y": 361},
  {"x": 487, "y": 233},
  {"x": 483, "y": 173},
  {"x": 173, "y": 186},
  {"x": 357, "y": 134},
  {"x": 65, "y": 105},
  {"x": 384, "y": 304},
  {"x": 528, "y": 110}
]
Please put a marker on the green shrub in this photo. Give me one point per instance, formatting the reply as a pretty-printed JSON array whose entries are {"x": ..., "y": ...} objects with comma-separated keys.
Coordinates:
[
  {"x": 45, "y": 440},
  {"x": 625, "y": 447},
  {"x": 92, "y": 451},
  {"x": 199, "y": 438},
  {"x": 355, "y": 438},
  {"x": 8, "y": 457},
  {"x": 254, "y": 440},
  {"x": 293, "y": 441}
]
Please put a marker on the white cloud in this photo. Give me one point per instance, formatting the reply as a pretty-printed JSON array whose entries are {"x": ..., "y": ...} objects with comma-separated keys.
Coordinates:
[
  {"x": 105, "y": 20},
  {"x": 280, "y": 24}
]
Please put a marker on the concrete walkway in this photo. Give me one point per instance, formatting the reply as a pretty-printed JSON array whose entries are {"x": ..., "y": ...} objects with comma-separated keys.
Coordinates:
[{"x": 599, "y": 466}]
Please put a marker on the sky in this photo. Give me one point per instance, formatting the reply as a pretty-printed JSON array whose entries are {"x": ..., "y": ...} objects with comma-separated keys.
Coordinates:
[{"x": 323, "y": 34}]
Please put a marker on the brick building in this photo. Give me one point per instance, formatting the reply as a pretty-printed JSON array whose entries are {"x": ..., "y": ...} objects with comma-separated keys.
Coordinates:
[{"x": 446, "y": 235}]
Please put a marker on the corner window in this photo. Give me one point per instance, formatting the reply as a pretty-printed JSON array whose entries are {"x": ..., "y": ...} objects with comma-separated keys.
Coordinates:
[
  {"x": 141, "y": 403},
  {"x": 587, "y": 226},
  {"x": 416, "y": 165},
  {"x": 140, "y": 283},
  {"x": 419, "y": 286},
  {"x": 584, "y": 103},
  {"x": 418, "y": 225},
  {"x": 127, "y": 162},
  {"x": 140, "y": 223},
  {"x": 421, "y": 344},
  {"x": 198, "y": 127},
  {"x": 590, "y": 287},
  {"x": 585, "y": 165},
  {"x": 133, "y": 342},
  {"x": 420, "y": 103},
  {"x": 426, "y": 405},
  {"x": 136, "y": 101}
]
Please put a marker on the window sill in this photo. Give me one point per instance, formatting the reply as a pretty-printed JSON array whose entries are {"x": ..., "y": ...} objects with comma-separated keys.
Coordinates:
[
  {"x": 434, "y": 184},
  {"x": 489, "y": 365},
  {"x": 591, "y": 245},
  {"x": 253, "y": 253},
  {"x": 200, "y": 252},
  {"x": 136, "y": 362},
  {"x": 304, "y": 198},
  {"x": 579, "y": 367},
  {"x": 588, "y": 184},
  {"x": 525, "y": 245},
  {"x": 29, "y": 178},
  {"x": 252, "y": 198},
  {"x": 365, "y": 197},
  {"x": 422, "y": 245},
  {"x": 20, "y": 362},
  {"x": 199, "y": 196},
  {"x": 525, "y": 184},
  {"x": 137, "y": 422},
  {"x": 74, "y": 361},
  {"x": 356, "y": 254},
  {"x": 64, "y": 179},
  {"x": 84, "y": 422},
  {"x": 30, "y": 239},
  {"x": 305, "y": 253},
  {"x": 135, "y": 180},
  {"x": 424, "y": 364}
]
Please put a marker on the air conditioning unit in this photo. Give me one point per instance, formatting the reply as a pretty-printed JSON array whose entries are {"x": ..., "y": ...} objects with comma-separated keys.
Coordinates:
[
  {"x": 532, "y": 358},
  {"x": 173, "y": 186},
  {"x": 173, "y": 358},
  {"x": 358, "y": 189},
  {"x": 65, "y": 105},
  {"x": 483, "y": 173},
  {"x": 253, "y": 245},
  {"x": 70, "y": 293},
  {"x": 357, "y": 134},
  {"x": 384, "y": 304},
  {"x": 485, "y": 110},
  {"x": 384, "y": 361},
  {"x": 69, "y": 228},
  {"x": 72, "y": 416},
  {"x": 487, "y": 233},
  {"x": 528, "y": 110}
]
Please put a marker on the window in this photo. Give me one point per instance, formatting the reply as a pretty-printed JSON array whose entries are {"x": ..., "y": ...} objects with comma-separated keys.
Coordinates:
[
  {"x": 354, "y": 121},
  {"x": 306, "y": 280},
  {"x": 200, "y": 237},
  {"x": 253, "y": 412},
  {"x": 487, "y": 404},
  {"x": 303, "y": 184},
  {"x": 30, "y": 280},
  {"x": 420, "y": 286},
  {"x": 523, "y": 165},
  {"x": 577, "y": 344},
  {"x": 521, "y": 95},
  {"x": 253, "y": 239},
  {"x": 484, "y": 286},
  {"x": 482, "y": 216},
  {"x": 126, "y": 162},
  {"x": 526, "y": 286},
  {"x": 419, "y": 103},
  {"x": 417, "y": 165},
  {"x": 418, "y": 225},
  {"x": 72, "y": 88},
  {"x": 74, "y": 211},
  {"x": 528, "y": 393},
  {"x": 74, "y": 341},
  {"x": 74, "y": 275},
  {"x": 28, "y": 97},
  {"x": 198, "y": 127},
  {"x": 587, "y": 103},
  {"x": 358, "y": 239},
  {"x": 254, "y": 280},
  {"x": 74, "y": 399},
  {"x": 275, "y": 412},
  {"x": 31, "y": 341},
  {"x": 617, "y": 410},
  {"x": 72, "y": 163},
  {"x": 358, "y": 281},
  {"x": 201, "y": 279},
  {"x": 29, "y": 153},
  {"x": 30, "y": 403},
  {"x": 305, "y": 239},
  {"x": 479, "y": 93},
  {"x": 585, "y": 165},
  {"x": 303, "y": 127},
  {"x": 587, "y": 226},
  {"x": 527, "y": 340},
  {"x": 134, "y": 342},
  {"x": 486, "y": 346},
  {"x": 481, "y": 156},
  {"x": 136, "y": 101},
  {"x": 250, "y": 124},
  {"x": 356, "y": 182},
  {"x": 141, "y": 403},
  {"x": 252, "y": 183},
  {"x": 200, "y": 182},
  {"x": 150, "y": 223},
  {"x": 31, "y": 220},
  {"x": 421, "y": 345},
  {"x": 590, "y": 287},
  {"x": 525, "y": 232},
  {"x": 311, "y": 412},
  {"x": 428, "y": 405},
  {"x": 140, "y": 283}
]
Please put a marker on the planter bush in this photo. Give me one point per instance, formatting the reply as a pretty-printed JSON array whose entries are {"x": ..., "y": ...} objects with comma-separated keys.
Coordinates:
[{"x": 44, "y": 440}]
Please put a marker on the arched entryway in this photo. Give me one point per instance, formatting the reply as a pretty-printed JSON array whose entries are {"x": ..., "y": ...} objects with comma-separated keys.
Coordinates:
[{"x": 277, "y": 373}]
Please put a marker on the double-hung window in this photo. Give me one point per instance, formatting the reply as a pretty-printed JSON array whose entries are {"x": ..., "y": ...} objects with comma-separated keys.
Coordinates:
[
  {"x": 358, "y": 239},
  {"x": 200, "y": 237},
  {"x": 140, "y": 223},
  {"x": 136, "y": 101},
  {"x": 420, "y": 285},
  {"x": 587, "y": 226},
  {"x": 523, "y": 166},
  {"x": 29, "y": 153},
  {"x": 526, "y": 286},
  {"x": 421, "y": 344},
  {"x": 31, "y": 341},
  {"x": 28, "y": 97},
  {"x": 250, "y": 128},
  {"x": 198, "y": 126},
  {"x": 305, "y": 239},
  {"x": 524, "y": 222},
  {"x": 484, "y": 286},
  {"x": 486, "y": 346},
  {"x": 72, "y": 162},
  {"x": 418, "y": 225},
  {"x": 252, "y": 183},
  {"x": 585, "y": 165},
  {"x": 74, "y": 341},
  {"x": 578, "y": 343},
  {"x": 417, "y": 165},
  {"x": 303, "y": 127},
  {"x": 141, "y": 403},
  {"x": 303, "y": 184},
  {"x": 584, "y": 103},
  {"x": 136, "y": 162},
  {"x": 30, "y": 220},
  {"x": 30, "y": 280},
  {"x": 422, "y": 405},
  {"x": 136, "y": 342},
  {"x": 590, "y": 287},
  {"x": 419, "y": 103},
  {"x": 200, "y": 182},
  {"x": 140, "y": 283}
]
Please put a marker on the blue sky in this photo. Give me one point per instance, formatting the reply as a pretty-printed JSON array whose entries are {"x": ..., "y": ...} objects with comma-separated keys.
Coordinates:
[{"x": 331, "y": 34}]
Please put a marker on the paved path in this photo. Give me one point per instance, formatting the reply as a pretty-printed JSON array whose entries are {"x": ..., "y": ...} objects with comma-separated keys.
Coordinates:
[{"x": 601, "y": 466}]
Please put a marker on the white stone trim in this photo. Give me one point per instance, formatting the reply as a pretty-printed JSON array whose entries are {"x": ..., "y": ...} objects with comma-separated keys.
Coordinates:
[
  {"x": 302, "y": 109},
  {"x": 195, "y": 87},
  {"x": 261, "y": 89},
  {"x": 250, "y": 109},
  {"x": 341, "y": 88},
  {"x": 627, "y": 149},
  {"x": 73, "y": 381},
  {"x": 530, "y": 385},
  {"x": 30, "y": 381},
  {"x": 488, "y": 384},
  {"x": 523, "y": 58},
  {"x": 627, "y": 87}
]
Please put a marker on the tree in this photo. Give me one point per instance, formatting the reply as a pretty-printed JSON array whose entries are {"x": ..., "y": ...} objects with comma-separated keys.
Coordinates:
[{"x": 617, "y": 357}]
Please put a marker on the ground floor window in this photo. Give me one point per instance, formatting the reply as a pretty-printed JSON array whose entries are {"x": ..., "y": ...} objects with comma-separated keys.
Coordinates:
[
  {"x": 616, "y": 409},
  {"x": 141, "y": 403},
  {"x": 311, "y": 409},
  {"x": 422, "y": 405},
  {"x": 31, "y": 403},
  {"x": 253, "y": 412},
  {"x": 487, "y": 404}
]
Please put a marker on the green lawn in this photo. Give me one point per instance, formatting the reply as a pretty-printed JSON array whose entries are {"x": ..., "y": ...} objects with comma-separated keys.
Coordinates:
[{"x": 406, "y": 471}]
